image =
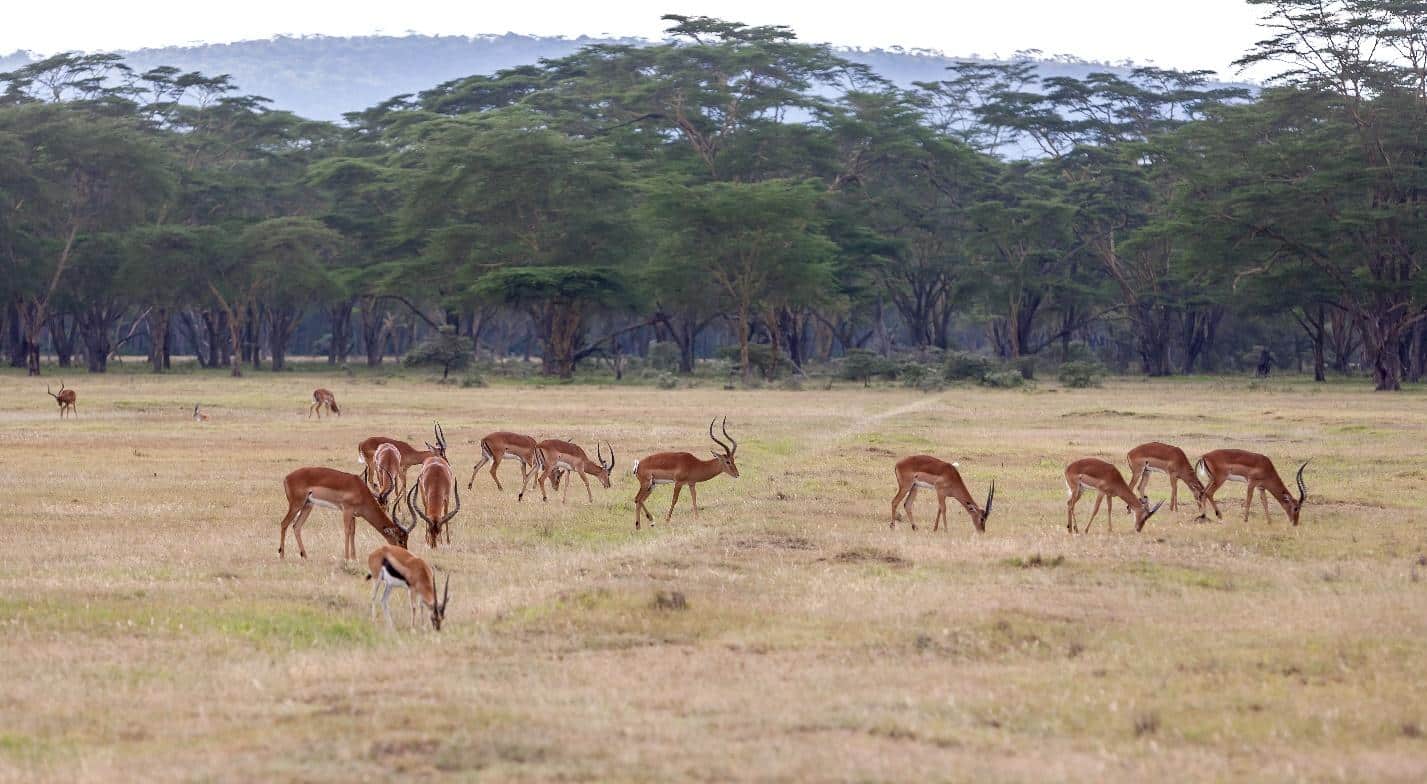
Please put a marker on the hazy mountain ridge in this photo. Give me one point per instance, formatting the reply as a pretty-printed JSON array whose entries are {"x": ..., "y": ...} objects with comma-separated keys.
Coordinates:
[{"x": 324, "y": 76}]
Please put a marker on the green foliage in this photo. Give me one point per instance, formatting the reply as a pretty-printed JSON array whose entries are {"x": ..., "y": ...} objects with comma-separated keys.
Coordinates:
[
  {"x": 664, "y": 356},
  {"x": 862, "y": 365},
  {"x": 445, "y": 349},
  {"x": 667, "y": 381},
  {"x": 1080, "y": 374},
  {"x": 1004, "y": 379},
  {"x": 966, "y": 366}
]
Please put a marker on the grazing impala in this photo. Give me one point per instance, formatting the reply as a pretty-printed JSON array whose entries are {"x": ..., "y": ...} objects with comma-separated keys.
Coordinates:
[
  {"x": 65, "y": 398},
  {"x": 500, "y": 445},
  {"x": 435, "y": 485},
  {"x": 1255, "y": 470},
  {"x": 393, "y": 566},
  {"x": 323, "y": 398},
  {"x": 1095, "y": 474},
  {"x": 680, "y": 469},
  {"x": 199, "y": 416},
  {"x": 332, "y": 489},
  {"x": 1170, "y": 461},
  {"x": 410, "y": 455},
  {"x": 926, "y": 472},
  {"x": 386, "y": 470},
  {"x": 557, "y": 457}
]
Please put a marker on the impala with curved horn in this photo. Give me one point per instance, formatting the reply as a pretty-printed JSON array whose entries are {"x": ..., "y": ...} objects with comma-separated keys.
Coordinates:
[
  {"x": 436, "y": 485},
  {"x": 680, "y": 469},
  {"x": 393, "y": 566},
  {"x": 410, "y": 455},
  {"x": 65, "y": 398},
  {"x": 1257, "y": 471},
  {"x": 332, "y": 489},
  {"x": 1095, "y": 474},
  {"x": 924, "y": 472},
  {"x": 386, "y": 469},
  {"x": 557, "y": 456}
]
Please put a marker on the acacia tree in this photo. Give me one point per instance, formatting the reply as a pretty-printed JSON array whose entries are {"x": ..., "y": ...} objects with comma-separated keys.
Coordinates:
[{"x": 759, "y": 244}]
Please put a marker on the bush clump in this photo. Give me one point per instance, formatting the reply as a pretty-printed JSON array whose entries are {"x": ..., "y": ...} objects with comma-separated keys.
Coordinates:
[
  {"x": 667, "y": 381},
  {"x": 1004, "y": 379},
  {"x": 1081, "y": 374},
  {"x": 663, "y": 355},
  {"x": 966, "y": 366},
  {"x": 861, "y": 365}
]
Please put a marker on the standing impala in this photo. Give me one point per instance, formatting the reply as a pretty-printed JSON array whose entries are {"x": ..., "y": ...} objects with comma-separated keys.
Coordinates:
[
  {"x": 1095, "y": 474},
  {"x": 332, "y": 489},
  {"x": 499, "y": 445},
  {"x": 1255, "y": 470},
  {"x": 557, "y": 456},
  {"x": 435, "y": 485},
  {"x": 920, "y": 472},
  {"x": 386, "y": 470},
  {"x": 410, "y": 455},
  {"x": 65, "y": 398},
  {"x": 1170, "y": 461},
  {"x": 323, "y": 398},
  {"x": 680, "y": 469},
  {"x": 394, "y": 566}
]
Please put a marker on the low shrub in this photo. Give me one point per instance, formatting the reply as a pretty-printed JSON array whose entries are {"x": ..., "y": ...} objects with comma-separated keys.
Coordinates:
[
  {"x": 1004, "y": 379},
  {"x": 1079, "y": 375}
]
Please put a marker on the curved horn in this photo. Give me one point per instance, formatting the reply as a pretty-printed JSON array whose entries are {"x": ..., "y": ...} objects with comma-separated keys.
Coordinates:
[
  {"x": 729, "y": 437},
  {"x": 61, "y": 388},
  {"x": 1153, "y": 509},
  {"x": 440, "y": 437},
  {"x": 990, "y": 498},
  {"x": 446, "y": 593},
  {"x": 396, "y": 518},
  {"x": 390, "y": 486},
  {"x": 611, "y": 456},
  {"x": 411, "y": 504},
  {"x": 714, "y": 437},
  {"x": 456, "y": 488},
  {"x": 1302, "y": 488}
]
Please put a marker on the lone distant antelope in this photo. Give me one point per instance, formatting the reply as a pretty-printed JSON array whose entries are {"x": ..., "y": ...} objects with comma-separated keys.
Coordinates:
[
  {"x": 199, "y": 416},
  {"x": 920, "y": 472},
  {"x": 1255, "y": 470},
  {"x": 323, "y": 398},
  {"x": 65, "y": 399}
]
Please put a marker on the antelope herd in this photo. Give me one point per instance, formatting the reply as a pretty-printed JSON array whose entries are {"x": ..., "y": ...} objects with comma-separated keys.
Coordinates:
[{"x": 378, "y": 492}]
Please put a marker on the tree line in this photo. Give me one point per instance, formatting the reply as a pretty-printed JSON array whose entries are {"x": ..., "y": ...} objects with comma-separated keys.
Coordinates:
[{"x": 733, "y": 189}]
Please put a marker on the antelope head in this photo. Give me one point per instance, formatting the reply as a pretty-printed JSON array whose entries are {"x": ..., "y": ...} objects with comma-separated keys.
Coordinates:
[{"x": 729, "y": 449}]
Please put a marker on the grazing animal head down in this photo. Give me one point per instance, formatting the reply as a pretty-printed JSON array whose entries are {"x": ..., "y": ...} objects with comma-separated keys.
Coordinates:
[
  {"x": 1290, "y": 504},
  {"x": 438, "y": 610},
  {"x": 725, "y": 459},
  {"x": 606, "y": 468}
]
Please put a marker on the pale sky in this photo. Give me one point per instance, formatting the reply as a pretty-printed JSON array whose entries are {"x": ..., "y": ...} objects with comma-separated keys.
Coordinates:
[{"x": 1171, "y": 33}]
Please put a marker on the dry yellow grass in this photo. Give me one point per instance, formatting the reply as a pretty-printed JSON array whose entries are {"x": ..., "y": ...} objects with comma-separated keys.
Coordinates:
[{"x": 150, "y": 631}]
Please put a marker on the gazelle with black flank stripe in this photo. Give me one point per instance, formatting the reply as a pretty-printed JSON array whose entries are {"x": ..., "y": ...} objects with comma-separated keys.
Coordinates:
[
  {"x": 391, "y": 566},
  {"x": 924, "y": 472},
  {"x": 1095, "y": 474},
  {"x": 1257, "y": 471}
]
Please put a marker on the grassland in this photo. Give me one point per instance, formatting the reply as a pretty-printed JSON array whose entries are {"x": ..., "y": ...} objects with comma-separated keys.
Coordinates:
[{"x": 150, "y": 631}]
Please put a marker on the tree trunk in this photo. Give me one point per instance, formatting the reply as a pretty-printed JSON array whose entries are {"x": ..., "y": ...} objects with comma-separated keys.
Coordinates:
[
  {"x": 158, "y": 337},
  {"x": 63, "y": 337},
  {"x": 282, "y": 323},
  {"x": 341, "y": 336}
]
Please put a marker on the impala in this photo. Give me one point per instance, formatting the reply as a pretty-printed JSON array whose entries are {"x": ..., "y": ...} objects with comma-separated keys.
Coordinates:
[
  {"x": 410, "y": 455},
  {"x": 556, "y": 457},
  {"x": 435, "y": 485},
  {"x": 323, "y": 398},
  {"x": 1170, "y": 461},
  {"x": 497, "y": 446},
  {"x": 386, "y": 469},
  {"x": 924, "y": 472},
  {"x": 332, "y": 489},
  {"x": 680, "y": 469},
  {"x": 1095, "y": 474},
  {"x": 199, "y": 416},
  {"x": 1255, "y": 470},
  {"x": 393, "y": 566},
  {"x": 65, "y": 398}
]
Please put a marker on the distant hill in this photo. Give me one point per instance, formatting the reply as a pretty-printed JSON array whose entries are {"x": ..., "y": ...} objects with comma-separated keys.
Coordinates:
[{"x": 322, "y": 77}]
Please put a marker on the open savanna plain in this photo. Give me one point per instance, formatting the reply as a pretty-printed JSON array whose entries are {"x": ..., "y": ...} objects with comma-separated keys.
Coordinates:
[{"x": 149, "y": 631}]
